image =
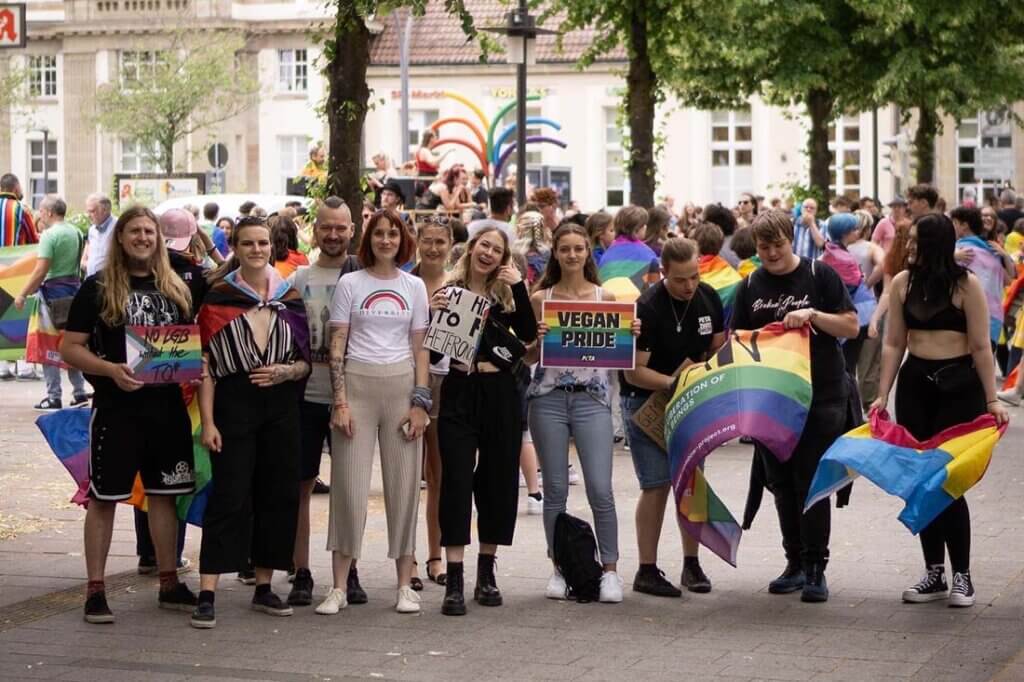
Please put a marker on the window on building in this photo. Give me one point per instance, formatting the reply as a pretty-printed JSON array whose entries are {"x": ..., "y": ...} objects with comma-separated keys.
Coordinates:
[
  {"x": 293, "y": 152},
  {"x": 732, "y": 155},
  {"x": 42, "y": 183},
  {"x": 419, "y": 122},
  {"x": 42, "y": 76},
  {"x": 140, "y": 66},
  {"x": 292, "y": 70},
  {"x": 984, "y": 154},
  {"x": 844, "y": 148},
  {"x": 616, "y": 185},
  {"x": 138, "y": 157}
]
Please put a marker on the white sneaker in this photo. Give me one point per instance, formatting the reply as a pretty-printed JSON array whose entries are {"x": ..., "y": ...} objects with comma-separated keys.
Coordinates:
[
  {"x": 556, "y": 588},
  {"x": 1010, "y": 396},
  {"x": 574, "y": 477},
  {"x": 408, "y": 600},
  {"x": 611, "y": 588},
  {"x": 534, "y": 506},
  {"x": 335, "y": 601}
]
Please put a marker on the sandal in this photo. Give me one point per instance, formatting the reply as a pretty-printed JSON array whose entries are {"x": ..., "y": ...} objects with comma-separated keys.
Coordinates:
[
  {"x": 440, "y": 578},
  {"x": 414, "y": 582}
]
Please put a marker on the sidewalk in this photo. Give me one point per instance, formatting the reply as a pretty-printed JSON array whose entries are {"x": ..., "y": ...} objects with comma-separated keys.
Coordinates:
[{"x": 738, "y": 632}]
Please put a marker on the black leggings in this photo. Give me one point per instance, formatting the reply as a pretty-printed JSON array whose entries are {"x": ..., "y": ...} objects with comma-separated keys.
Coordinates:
[{"x": 925, "y": 410}]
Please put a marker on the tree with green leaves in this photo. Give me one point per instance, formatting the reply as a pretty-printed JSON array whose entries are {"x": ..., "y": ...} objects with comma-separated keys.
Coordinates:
[{"x": 196, "y": 80}]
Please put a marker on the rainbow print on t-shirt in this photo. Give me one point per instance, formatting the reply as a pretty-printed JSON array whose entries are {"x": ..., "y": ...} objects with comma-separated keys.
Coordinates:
[{"x": 384, "y": 302}]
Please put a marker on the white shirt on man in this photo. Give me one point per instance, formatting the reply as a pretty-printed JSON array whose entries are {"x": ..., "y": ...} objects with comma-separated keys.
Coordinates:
[{"x": 99, "y": 245}]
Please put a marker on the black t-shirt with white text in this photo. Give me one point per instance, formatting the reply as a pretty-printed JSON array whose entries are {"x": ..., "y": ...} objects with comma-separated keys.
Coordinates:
[{"x": 764, "y": 298}]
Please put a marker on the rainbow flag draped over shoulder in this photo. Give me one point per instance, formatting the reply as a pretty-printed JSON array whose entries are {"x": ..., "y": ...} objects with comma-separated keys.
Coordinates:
[
  {"x": 748, "y": 265},
  {"x": 988, "y": 268},
  {"x": 757, "y": 385},
  {"x": 16, "y": 265},
  {"x": 927, "y": 475},
  {"x": 723, "y": 278},
  {"x": 627, "y": 267}
]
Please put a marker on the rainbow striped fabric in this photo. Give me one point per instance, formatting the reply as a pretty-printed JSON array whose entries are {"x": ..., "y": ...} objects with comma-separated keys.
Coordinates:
[
  {"x": 748, "y": 265},
  {"x": 723, "y": 278},
  {"x": 988, "y": 268},
  {"x": 43, "y": 342},
  {"x": 16, "y": 265},
  {"x": 757, "y": 385},
  {"x": 927, "y": 475},
  {"x": 16, "y": 223},
  {"x": 627, "y": 268}
]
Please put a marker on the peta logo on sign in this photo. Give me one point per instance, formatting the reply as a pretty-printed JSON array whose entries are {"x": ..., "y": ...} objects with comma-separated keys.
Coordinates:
[{"x": 12, "y": 25}]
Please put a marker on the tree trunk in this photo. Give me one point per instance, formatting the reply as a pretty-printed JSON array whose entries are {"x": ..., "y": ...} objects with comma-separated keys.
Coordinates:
[
  {"x": 348, "y": 55},
  {"x": 924, "y": 144},
  {"x": 820, "y": 104},
  {"x": 641, "y": 98}
]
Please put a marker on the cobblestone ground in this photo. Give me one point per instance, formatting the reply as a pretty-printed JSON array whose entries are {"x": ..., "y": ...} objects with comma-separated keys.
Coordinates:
[{"x": 738, "y": 631}]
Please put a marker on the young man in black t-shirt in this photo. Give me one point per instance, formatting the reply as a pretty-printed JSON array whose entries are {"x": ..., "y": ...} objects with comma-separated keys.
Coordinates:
[
  {"x": 797, "y": 292},
  {"x": 681, "y": 322}
]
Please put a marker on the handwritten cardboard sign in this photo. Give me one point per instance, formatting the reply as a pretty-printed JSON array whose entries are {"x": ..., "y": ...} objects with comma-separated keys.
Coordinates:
[
  {"x": 588, "y": 334},
  {"x": 651, "y": 417},
  {"x": 456, "y": 330},
  {"x": 169, "y": 354}
]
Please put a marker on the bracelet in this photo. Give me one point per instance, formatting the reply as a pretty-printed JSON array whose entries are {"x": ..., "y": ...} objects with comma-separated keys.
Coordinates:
[
  {"x": 991, "y": 401},
  {"x": 343, "y": 406},
  {"x": 421, "y": 398}
]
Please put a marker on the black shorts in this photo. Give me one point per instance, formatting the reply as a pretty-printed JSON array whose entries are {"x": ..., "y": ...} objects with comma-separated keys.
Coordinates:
[
  {"x": 314, "y": 429},
  {"x": 156, "y": 444}
]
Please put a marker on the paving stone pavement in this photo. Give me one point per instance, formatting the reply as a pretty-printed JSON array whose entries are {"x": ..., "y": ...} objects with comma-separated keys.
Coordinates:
[{"x": 738, "y": 632}]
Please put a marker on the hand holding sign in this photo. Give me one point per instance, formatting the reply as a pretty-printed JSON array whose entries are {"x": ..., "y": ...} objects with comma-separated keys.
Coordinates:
[
  {"x": 455, "y": 328},
  {"x": 588, "y": 334},
  {"x": 165, "y": 354}
]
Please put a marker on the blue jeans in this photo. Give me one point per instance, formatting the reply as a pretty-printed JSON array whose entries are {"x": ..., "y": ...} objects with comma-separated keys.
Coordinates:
[
  {"x": 51, "y": 373},
  {"x": 553, "y": 418}
]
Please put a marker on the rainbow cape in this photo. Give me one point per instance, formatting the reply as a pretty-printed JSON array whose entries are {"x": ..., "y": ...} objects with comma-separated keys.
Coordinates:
[
  {"x": 988, "y": 268},
  {"x": 748, "y": 265},
  {"x": 16, "y": 265},
  {"x": 723, "y": 278},
  {"x": 927, "y": 475},
  {"x": 627, "y": 267},
  {"x": 757, "y": 385}
]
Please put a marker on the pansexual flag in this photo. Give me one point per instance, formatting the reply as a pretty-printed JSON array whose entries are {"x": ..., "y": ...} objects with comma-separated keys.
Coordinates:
[
  {"x": 16, "y": 265},
  {"x": 757, "y": 385},
  {"x": 723, "y": 278},
  {"x": 927, "y": 475}
]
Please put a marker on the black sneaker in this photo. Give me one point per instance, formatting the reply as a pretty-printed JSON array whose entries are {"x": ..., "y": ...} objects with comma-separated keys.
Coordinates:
[
  {"x": 247, "y": 577},
  {"x": 178, "y": 598},
  {"x": 81, "y": 400},
  {"x": 47, "y": 404},
  {"x": 931, "y": 587},
  {"x": 321, "y": 488},
  {"x": 694, "y": 580},
  {"x": 204, "y": 616},
  {"x": 355, "y": 592},
  {"x": 96, "y": 609},
  {"x": 815, "y": 586},
  {"x": 962, "y": 593},
  {"x": 268, "y": 602},
  {"x": 653, "y": 582},
  {"x": 147, "y": 565},
  {"x": 791, "y": 580},
  {"x": 302, "y": 588}
]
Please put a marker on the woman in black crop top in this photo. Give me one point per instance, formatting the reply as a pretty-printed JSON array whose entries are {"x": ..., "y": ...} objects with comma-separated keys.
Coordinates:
[{"x": 940, "y": 316}]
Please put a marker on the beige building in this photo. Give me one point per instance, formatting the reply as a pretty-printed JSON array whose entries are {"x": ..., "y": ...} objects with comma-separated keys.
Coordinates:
[{"x": 75, "y": 46}]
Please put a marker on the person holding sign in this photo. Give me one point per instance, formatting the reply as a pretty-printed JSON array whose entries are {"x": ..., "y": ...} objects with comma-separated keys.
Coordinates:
[
  {"x": 136, "y": 428},
  {"x": 480, "y": 414},
  {"x": 796, "y": 291},
  {"x": 378, "y": 365},
  {"x": 682, "y": 321},
  {"x": 573, "y": 403},
  {"x": 256, "y": 341}
]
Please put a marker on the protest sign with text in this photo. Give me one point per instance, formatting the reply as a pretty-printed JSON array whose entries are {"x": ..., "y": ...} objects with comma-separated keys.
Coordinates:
[
  {"x": 456, "y": 330},
  {"x": 588, "y": 334},
  {"x": 170, "y": 354}
]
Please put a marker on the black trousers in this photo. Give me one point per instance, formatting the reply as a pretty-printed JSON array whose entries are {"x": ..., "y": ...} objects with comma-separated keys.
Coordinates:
[
  {"x": 925, "y": 410},
  {"x": 805, "y": 536},
  {"x": 480, "y": 413},
  {"x": 253, "y": 507}
]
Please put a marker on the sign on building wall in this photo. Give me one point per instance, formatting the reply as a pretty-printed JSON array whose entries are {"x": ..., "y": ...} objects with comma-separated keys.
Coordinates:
[
  {"x": 12, "y": 25},
  {"x": 149, "y": 189}
]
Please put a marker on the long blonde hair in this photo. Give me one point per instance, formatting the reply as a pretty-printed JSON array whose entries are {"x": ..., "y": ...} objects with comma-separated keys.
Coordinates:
[
  {"x": 115, "y": 284},
  {"x": 496, "y": 290}
]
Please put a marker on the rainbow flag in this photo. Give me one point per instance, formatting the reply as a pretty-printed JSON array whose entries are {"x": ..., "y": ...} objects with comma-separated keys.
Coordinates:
[
  {"x": 16, "y": 265},
  {"x": 627, "y": 268},
  {"x": 988, "y": 268},
  {"x": 43, "y": 342},
  {"x": 748, "y": 265},
  {"x": 723, "y": 278},
  {"x": 757, "y": 385},
  {"x": 927, "y": 475}
]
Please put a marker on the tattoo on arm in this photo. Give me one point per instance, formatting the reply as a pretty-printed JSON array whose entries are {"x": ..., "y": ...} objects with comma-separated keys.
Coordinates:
[{"x": 339, "y": 341}]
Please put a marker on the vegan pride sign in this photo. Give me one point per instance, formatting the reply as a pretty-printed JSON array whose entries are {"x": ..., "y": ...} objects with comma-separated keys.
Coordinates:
[{"x": 588, "y": 334}]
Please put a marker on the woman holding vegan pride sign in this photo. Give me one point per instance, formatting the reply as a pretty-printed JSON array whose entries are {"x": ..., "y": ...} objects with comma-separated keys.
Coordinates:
[
  {"x": 480, "y": 413},
  {"x": 379, "y": 317},
  {"x": 135, "y": 428},
  {"x": 256, "y": 340},
  {"x": 574, "y": 403},
  {"x": 798, "y": 292},
  {"x": 940, "y": 316}
]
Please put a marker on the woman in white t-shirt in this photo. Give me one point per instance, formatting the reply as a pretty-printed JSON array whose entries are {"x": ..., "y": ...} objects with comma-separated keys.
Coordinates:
[{"x": 379, "y": 317}]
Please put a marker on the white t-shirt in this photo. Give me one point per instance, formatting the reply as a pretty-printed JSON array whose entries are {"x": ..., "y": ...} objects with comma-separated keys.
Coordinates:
[
  {"x": 380, "y": 314},
  {"x": 318, "y": 284}
]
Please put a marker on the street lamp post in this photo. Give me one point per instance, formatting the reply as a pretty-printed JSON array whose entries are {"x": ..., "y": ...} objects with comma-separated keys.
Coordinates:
[{"x": 46, "y": 160}]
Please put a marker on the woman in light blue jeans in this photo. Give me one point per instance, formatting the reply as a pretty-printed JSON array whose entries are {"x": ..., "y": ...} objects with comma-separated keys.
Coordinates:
[{"x": 573, "y": 403}]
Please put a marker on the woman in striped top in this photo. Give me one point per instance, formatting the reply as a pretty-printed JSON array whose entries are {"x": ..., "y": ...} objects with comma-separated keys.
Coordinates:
[{"x": 256, "y": 341}]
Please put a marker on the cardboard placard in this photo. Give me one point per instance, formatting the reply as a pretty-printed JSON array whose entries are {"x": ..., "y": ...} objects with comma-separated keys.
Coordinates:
[
  {"x": 651, "y": 417},
  {"x": 592, "y": 334},
  {"x": 456, "y": 330},
  {"x": 170, "y": 354}
]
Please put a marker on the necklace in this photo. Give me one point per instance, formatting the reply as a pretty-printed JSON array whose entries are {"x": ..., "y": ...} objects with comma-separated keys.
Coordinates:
[{"x": 679, "y": 320}]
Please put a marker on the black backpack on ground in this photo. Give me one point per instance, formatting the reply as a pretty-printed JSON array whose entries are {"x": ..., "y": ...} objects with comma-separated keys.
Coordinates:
[{"x": 575, "y": 554}]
